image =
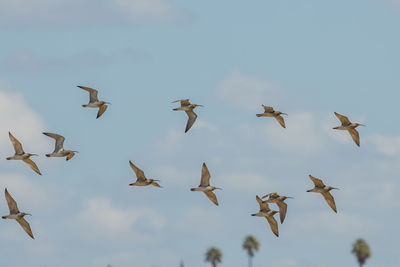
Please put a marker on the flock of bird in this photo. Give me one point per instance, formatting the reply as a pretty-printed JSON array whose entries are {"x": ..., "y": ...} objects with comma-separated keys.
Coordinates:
[{"x": 204, "y": 186}]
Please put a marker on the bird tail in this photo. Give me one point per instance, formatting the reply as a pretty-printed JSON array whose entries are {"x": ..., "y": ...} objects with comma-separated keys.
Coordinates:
[
  {"x": 175, "y": 109},
  {"x": 48, "y": 155},
  {"x": 84, "y": 106},
  {"x": 259, "y": 115},
  {"x": 9, "y": 158},
  {"x": 4, "y": 217}
]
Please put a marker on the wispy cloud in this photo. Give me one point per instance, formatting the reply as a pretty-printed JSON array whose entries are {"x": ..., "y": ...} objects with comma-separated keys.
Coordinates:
[{"x": 50, "y": 13}]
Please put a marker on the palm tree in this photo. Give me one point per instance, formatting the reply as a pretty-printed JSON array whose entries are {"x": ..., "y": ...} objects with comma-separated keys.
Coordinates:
[
  {"x": 213, "y": 256},
  {"x": 251, "y": 244},
  {"x": 362, "y": 251}
]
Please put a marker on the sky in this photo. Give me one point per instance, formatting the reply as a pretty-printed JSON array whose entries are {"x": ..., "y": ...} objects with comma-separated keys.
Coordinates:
[{"x": 306, "y": 58}]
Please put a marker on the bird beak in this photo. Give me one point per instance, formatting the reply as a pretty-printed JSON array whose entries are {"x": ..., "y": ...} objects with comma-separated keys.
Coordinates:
[
  {"x": 218, "y": 188},
  {"x": 284, "y": 114},
  {"x": 335, "y": 188},
  {"x": 75, "y": 151},
  {"x": 200, "y": 105},
  {"x": 290, "y": 197},
  {"x": 108, "y": 103},
  {"x": 361, "y": 124},
  {"x": 34, "y": 155},
  {"x": 28, "y": 214}
]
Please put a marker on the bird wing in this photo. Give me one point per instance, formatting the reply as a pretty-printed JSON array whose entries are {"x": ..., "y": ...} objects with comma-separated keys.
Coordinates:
[
  {"x": 343, "y": 119},
  {"x": 192, "y": 118},
  {"x": 32, "y": 165},
  {"x": 92, "y": 92},
  {"x": 205, "y": 176},
  {"x": 59, "y": 140},
  {"x": 25, "y": 225},
  {"x": 155, "y": 184},
  {"x": 139, "y": 173},
  {"x": 12, "y": 205},
  {"x": 268, "y": 109},
  {"x": 356, "y": 137},
  {"x": 263, "y": 204},
  {"x": 17, "y": 145},
  {"x": 102, "y": 109},
  {"x": 282, "y": 210},
  {"x": 273, "y": 224},
  {"x": 317, "y": 182},
  {"x": 211, "y": 196},
  {"x": 184, "y": 102},
  {"x": 271, "y": 195},
  {"x": 70, "y": 155},
  {"x": 330, "y": 200},
  {"x": 281, "y": 121}
]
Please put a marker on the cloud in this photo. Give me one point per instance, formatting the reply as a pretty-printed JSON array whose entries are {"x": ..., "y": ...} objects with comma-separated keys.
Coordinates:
[
  {"x": 28, "y": 62},
  {"x": 50, "y": 13},
  {"x": 387, "y": 145},
  {"x": 246, "y": 92},
  {"x": 100, "y": 219},
  {"x": 21, "y": 120}
]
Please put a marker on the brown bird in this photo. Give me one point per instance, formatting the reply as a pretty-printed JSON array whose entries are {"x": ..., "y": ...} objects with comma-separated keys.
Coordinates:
[
  {"x": 94, "y": 101},
  {"x": 21, "y": 155},
  {"x": 17, "y": 215},
  {"x": 141, "y": 179},
  {"x": 278, "y": 200},
  {"x": 266, "y": 212},
  {"x": 270, "y": 112},
  {"x": 59, "y": 150},
  {"x": 349, "y": 126},
  {"x": 205, "y": 186},
  {"x": 320, "y": 187},
  {"x": 188, "y": 108}
]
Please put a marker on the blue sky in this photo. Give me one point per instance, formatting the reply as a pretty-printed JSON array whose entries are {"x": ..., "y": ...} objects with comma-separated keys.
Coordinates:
[{"x": 305, "y": 58}]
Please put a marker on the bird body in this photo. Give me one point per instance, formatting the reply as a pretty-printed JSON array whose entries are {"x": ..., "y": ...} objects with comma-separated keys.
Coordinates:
[
  {"x": 320, "y": 187},
  {"x": 94, "y": 102},
  {"x": 349, "y": 126},
  {"x": 266, "y": 212},
  {"x": 15, "y": 214},
  {"x": 59, "y": 150},
  {"x": 270, "y": 112},
  {"x": 20, "y": 154},
  {"x": 188, "y": 108},
  {"x": 205, "y": 186},
  {"x": 141, "y": 179}
]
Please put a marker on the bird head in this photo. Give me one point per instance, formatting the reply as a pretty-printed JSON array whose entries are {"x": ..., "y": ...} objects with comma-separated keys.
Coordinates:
[
  {"x": 359, "y": 124},
  {"x": 330, "y": 188}
]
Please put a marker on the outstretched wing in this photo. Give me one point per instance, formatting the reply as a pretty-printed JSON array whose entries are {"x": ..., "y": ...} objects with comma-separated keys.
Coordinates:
[
  {"x": 92, "y": 92},
  {"x": 281, "y": 121},
  {"x": 16, "y": 144},
  {"x": 330, "y": 200},
  {"x": 25, "y": 225},
  {"x": 139, "y": 173},
  {"x": 282, "y": 210},
  {"x": 211, "y": 196},
  {"x": 356, "y": 137},
  {"x": 192, "y": 118},
  {"x": 205, "y": 176},
  {"x": 12, "y": 205},
  {"x": 317, "y": 182},
  {"x": 343, "y": 119},
  {"x": 271, "y": 195},
  {"x": 263, "y": 204},
  {"x": 268, "y": 109},
  {"x": 273, "y": 224},
  {"x": 32, "y": 165},
  {"x": 59, "y": 140},
  {"x": 102, "y": 109}
]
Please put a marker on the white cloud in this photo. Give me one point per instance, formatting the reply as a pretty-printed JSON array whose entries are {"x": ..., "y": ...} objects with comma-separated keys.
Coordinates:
[
  {"x": 22, "y": 121},
  {"x": 100, "y": 219},
  {"x": 389, "y": 146},
  {"x": 246, "y": 92},
  {"x": 47, "y": 13}
]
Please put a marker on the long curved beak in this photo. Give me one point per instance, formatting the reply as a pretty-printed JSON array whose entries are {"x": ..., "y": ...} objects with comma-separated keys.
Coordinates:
[
  {"x": 290, "y": 197},
  {"x": 336, "y": 188},
  {"x": 108, "y": 103},
  {"x": 284, "y": 114},
  {"x": 218, "y": 188},
  {"x": 34, "y": 155},
  {"x": 28, "y": 214},
  {"x": 199, "y": 105},
  {"x": 361, "y": 124},
  {"x": 75, "y": 151}
]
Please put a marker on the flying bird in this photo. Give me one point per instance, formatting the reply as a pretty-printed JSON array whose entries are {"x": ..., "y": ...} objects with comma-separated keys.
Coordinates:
[
  {"x": 94, "y": 101},
  {"x": 349, "y": 126},
  {"x": 320, "y": 187},
  {"x": 21, "y": 155},
  {"x": 266, "y": 212},
  {"x": 59, "y": 150},
  {"x": 141, "y": 179},
  {"x": 270, "y": 112},
  {"x": 17, "y": 215},
  {"x": 188, "y": 108},
  {"x": 205, "y": 186},
  {"x": 278, "y": 200}
]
